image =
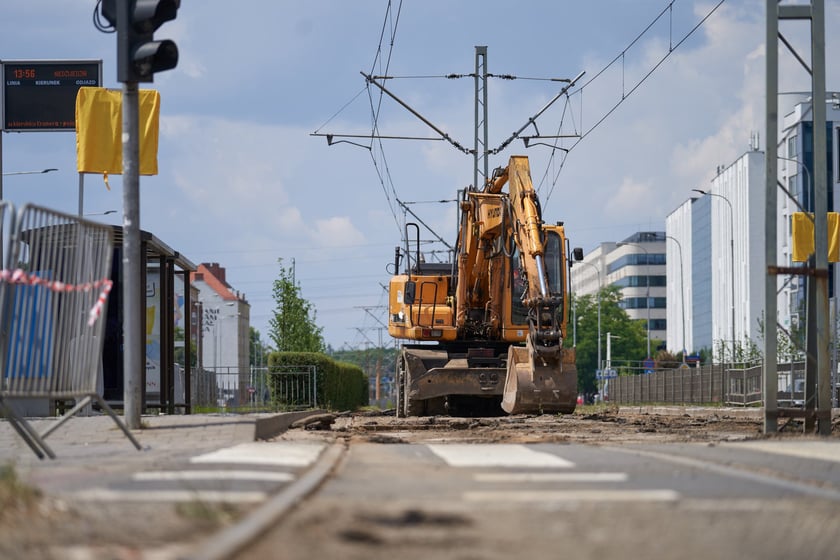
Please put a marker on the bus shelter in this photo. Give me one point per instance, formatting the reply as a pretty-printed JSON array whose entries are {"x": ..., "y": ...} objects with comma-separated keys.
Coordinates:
[{"x": 170, "y": 327}]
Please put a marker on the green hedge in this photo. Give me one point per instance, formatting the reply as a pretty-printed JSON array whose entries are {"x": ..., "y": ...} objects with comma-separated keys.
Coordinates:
[{"x": 340, "y": 386}]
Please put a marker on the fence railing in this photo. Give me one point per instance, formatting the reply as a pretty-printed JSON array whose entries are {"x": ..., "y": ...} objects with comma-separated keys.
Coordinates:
[
  {"x": 708, "y": 384},
  {"x": 235, "y": 390}
]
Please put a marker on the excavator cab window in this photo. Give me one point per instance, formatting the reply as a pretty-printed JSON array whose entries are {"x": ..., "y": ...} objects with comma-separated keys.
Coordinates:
[
  {"x": 554, "y": 263},
  {"x": 553, "y": 260},
  {"x": 410, "y": 292},
  {"x": 554, "y": 269}
]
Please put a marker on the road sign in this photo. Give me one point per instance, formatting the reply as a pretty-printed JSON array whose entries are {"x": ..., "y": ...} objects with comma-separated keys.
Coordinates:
[
  {"x": 40, "y": 95},
  {"x": 606, "y": 374}
]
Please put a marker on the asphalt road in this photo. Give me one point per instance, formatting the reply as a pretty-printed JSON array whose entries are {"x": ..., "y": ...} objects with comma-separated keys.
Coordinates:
[
  {"x": 653, "y": 484},
  {"x": 443, "y": 499}
]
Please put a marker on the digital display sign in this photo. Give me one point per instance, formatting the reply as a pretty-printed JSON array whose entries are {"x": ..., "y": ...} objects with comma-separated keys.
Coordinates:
[{"x": 40, "y": 95}]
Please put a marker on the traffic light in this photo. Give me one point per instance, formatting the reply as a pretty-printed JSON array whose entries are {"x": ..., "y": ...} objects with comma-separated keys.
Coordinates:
[{"x": 139, "y": 56}]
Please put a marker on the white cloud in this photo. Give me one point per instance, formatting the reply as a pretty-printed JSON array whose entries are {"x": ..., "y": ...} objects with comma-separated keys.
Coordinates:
[{"x": 337, "y": 231}]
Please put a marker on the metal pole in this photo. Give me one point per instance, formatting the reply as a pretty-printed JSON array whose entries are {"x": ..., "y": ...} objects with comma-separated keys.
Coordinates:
[
  {"x": 82, "y": 193},
  {"x": 2, "y": 256},
  {"x": 771, "y": 381},
  {"x": 133, "y": 359},
  {"x": 731, "y": 261},
  {"x": 647, "y": 297},
  {"x": 682, "y": 293},
  {"x": 732, "y": 272},
  {"x": 820, "y": 216}
]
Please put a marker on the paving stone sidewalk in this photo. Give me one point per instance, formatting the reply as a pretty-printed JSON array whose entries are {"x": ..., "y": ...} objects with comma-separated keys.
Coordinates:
[{"x": 91, "y": 448}]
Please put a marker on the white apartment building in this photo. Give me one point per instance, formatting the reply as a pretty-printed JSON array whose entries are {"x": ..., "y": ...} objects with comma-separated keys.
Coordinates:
[
  {"x": 637, "y": 266},
  {"x": 225, "y": 322},
  {"x": 721, "y": 234}
]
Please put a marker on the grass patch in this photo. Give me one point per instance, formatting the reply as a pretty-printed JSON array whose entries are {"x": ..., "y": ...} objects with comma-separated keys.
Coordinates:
[
  {"x": 215, "y": 514},
  {"x": 15, "y": 495}
]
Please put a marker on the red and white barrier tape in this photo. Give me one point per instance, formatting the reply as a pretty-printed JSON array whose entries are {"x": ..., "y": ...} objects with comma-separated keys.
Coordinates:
[{"x": 19, "y": 276}]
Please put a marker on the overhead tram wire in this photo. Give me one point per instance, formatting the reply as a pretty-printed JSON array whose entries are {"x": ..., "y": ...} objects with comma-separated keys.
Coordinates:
[
  {"x": 625, "y": 94},
  {"x": 376, "y": 108}
]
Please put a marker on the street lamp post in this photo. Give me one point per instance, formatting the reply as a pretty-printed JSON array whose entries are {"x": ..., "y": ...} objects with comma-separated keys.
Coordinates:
[
  {"x": 682, "y": 293},
  {"x": 598, "y": 271},
  {"x": 29, "y": 172},
  {"x": 731, "y": 258},
  {"x": 21, "y": 173},
  {"x": 647, "y": 288}
]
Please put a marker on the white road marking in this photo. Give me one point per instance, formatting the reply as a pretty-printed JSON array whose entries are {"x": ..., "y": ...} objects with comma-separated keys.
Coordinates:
[
  {"x": 496, "y": 455},
  {"x": 823, "y": 450},
  {"x": 551, "y": 477},
  {"x": 108, "y": 495},
  {"x": 261, "y": 476},
  {"x": 568, "y": 496},
  {"x": 265, "y": 453}
]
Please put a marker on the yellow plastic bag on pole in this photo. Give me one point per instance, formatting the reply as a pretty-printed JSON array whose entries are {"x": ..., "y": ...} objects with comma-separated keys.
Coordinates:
[
  {"x": 99, "y": 130},
  {"x": 802, "y": 232}
]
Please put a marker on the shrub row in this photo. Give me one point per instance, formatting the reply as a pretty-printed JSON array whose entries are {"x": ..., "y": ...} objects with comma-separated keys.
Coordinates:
[{"x": 339, "y": 385}]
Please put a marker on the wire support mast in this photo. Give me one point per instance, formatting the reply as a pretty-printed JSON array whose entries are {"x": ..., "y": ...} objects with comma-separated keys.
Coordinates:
[
  {"x": 533, "y": 120},
  {"x": 371, "y": 80}
]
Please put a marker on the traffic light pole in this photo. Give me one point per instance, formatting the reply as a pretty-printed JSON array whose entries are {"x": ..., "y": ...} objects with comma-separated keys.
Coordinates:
[{"x": 134, "y": 318}]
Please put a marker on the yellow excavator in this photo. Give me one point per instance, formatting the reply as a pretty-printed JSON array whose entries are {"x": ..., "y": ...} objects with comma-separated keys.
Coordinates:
[{"x": 484, "y": 333}]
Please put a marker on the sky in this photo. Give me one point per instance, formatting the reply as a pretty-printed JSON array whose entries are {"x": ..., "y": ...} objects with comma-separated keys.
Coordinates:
[{"x": 247, "y": 177}]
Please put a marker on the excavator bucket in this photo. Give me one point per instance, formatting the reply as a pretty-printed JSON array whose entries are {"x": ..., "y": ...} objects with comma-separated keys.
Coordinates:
[{"x": 540, "y": 383}]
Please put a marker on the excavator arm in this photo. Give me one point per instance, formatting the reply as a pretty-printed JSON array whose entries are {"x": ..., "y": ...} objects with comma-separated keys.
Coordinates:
[{"x": 541, "y": 377}]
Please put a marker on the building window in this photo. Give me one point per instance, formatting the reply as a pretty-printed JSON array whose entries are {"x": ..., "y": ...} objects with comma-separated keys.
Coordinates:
[
  {"x": 658, "y": 324},
  {"x": 636, "y": 259},
  {"x": 837, "y": 151},
  {"x": 640, "y": 281},
  {"x": 641, "y": 303},
  {"x": 793, "y": 186},
  {"x": 791, "y": 147}
]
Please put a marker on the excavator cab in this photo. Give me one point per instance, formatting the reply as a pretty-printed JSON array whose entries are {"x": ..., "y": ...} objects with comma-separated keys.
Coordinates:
[{"x": 541, "y": 376}]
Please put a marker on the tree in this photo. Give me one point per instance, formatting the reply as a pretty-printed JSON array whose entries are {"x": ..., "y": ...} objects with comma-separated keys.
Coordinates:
[
  {"x": 179, "y": 349},
  {"x": 258, "y": 350},
  {"x": 629, "y": 336},
  {"x": 293, "y": 327}
]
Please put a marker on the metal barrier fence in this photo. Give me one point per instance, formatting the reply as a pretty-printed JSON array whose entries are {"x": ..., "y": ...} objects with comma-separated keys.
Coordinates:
[
  {"x": 708, "y": 384},
  {"x": 235, "y": 390},
  {"x": 294, "y": 387},
  {"x": 53, "y": 289}
]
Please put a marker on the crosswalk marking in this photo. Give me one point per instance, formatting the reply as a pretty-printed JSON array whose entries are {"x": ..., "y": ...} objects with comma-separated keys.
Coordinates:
[
  {"x": 265, "y": 453},
  {"x": 572, "y": 496},
  {"x": 214, "y": 496},
  {"x": 496, "y": 455},
  {"x": 273, "y": 454},
  {"x": 551, "y": 477},
  {"x": 823, "y": 450},
  {"x": 260, "y": 476}
]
